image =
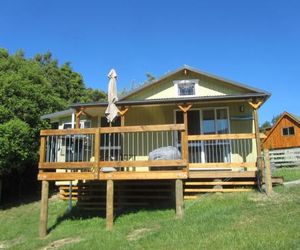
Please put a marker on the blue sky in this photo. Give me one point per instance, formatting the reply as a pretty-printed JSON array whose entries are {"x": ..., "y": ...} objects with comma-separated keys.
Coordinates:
[{"x": 250, "y": 41}]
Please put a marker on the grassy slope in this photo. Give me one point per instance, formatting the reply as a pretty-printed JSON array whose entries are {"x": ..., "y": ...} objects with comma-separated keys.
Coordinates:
[
  {"x": 225, "y": 221},
  {"x": 289, "y": 174}
]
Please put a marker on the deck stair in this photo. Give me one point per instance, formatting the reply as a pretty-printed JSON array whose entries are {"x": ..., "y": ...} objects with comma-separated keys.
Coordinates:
[{"x": 201, "y": 182}]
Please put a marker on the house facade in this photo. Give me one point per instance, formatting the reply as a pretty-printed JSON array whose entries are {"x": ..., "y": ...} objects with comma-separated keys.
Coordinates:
[
  {"x": 215, "y": 106},
  {"x": 188, "y": 126}
]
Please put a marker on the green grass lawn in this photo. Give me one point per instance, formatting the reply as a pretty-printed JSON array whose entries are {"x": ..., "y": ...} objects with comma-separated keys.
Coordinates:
[
  {"x": 217, "y": 221},
  {"x": 289, "y": 174}
]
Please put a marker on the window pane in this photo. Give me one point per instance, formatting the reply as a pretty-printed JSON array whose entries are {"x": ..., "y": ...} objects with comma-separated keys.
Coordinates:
[
  {"x": 67, "y": 126},
  {"x": 222, "y": 121},
  {"x": 209, "y": 121},
  {"x": 285, "y": 131},
  {"x": 291, "y": 131},
  {"x": 186, "y": 89}
]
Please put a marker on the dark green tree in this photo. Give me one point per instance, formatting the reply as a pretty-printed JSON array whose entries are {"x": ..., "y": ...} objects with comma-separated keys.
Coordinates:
[{"x": 30, "y": 88}]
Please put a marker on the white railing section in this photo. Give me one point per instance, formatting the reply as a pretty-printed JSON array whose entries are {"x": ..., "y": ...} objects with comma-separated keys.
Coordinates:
[
  {"x": 285, "y": 157},
  {"x": 222, "y": 150},
  {"x": 131, "y": 146},
  {"x": 69, "y": 148}
]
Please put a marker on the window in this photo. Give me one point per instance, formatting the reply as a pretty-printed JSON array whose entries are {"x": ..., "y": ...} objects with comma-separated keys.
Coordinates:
[
  {"x": 83, "y": 124},
  {"x": 186, "y": 87},
  {"x": 67, "y": 125},
  {"x": 288, "y": 131}
]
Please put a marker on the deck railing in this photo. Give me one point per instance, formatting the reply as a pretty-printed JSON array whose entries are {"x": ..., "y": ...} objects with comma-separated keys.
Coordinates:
[
  {"x": 97, "y": 153},
  {"x": 221, "y": 151}
]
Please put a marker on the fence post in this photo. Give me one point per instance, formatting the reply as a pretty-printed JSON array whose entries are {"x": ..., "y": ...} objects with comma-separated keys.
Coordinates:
[{"x": 267, "y": 173}]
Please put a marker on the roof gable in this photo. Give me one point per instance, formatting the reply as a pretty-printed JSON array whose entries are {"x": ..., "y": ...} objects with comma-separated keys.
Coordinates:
[
  {"x": 209, "y": 85},
  {"x": 284, "y": 114}
]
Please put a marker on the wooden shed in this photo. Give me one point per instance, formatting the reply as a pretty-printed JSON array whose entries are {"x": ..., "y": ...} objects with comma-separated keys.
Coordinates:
[{"x": 285, "y": 133}]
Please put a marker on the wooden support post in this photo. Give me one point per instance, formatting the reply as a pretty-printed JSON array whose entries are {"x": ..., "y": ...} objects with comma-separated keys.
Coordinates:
[
  {"x": 259, "y": 162},
  {"x": 122, "y": 113},
  {"x": 78, "y": 114},
  {"x": 70, "y": 205},
  {"x": 184, "y": 135},
  {"x": 267, "y": 173},
  {"x": 122, "y": 121},
  {"x": 44, "y": 209},
  {"x": 42, "y": 149},
  {"x": 257, "y": 134},
  {"x": 109, "y": 204},
  {"x": 97, "y": 154},
  {"x": 255, "y": 107},
  {"x": 179, "y": 198}
]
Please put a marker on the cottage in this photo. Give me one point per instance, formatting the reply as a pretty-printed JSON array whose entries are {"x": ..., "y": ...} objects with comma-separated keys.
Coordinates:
[{"x": 190, "y": 127}]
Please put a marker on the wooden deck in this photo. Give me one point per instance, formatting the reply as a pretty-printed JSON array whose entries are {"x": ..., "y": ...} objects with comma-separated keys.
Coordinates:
[{"x": 109, "y": 156}]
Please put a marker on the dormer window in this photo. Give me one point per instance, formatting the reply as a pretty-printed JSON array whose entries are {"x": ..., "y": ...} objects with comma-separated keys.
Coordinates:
[{"x": 186, "y": 87}]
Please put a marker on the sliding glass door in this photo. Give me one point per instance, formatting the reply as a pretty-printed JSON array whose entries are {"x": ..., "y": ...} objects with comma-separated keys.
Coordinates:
[
  {"x": 207, "y": 121},
  {"x": 215, "y": 121}
]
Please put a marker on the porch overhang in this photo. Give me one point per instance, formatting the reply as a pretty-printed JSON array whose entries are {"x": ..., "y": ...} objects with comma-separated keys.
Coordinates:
[{"x": 202, "y": 99}]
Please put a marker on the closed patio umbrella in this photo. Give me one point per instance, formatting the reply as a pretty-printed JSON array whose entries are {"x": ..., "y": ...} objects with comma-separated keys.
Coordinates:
[{"x": 111, "y": 111}]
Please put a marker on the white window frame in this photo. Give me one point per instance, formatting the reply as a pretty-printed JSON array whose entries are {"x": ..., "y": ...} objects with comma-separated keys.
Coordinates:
[
  {"x": 178, "y": 82},
  {"x": 81, "y": 124}
]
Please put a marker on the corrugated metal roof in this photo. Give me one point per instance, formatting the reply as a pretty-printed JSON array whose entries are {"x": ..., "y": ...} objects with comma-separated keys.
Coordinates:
[
  {"x": 175, "y": 100},
  {"x": 186, "y": 67},
  {"x": 58, "y": 114}
]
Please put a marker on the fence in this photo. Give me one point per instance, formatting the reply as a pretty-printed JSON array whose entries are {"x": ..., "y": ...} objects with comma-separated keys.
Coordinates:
[{"x": 285, "y": 157}]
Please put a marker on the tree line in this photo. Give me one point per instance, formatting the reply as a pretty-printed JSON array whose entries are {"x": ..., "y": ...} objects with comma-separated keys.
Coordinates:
[{"x": 29, "y": 88}]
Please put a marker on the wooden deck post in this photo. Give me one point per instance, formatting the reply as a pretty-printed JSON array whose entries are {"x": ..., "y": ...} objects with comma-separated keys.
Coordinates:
[
  {"x": 184, "y": 135},
  {"x": 44, "y": 209},
  {"x": 109, "y": 204},
  {"x": 122, "y": 113},
  {"x": 255, "y": 107},
  {"x": 267, "y": 173},
  {"x": 179, "y": 198},
  {"x": 97, "y": 154},
  {"x": 257, "y": 134},
  {"x": 259, "y": 162}
]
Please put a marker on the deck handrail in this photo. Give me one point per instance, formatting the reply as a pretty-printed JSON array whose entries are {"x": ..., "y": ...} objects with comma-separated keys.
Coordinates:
[
  {"x": 104, "y": 130},
  {"x": 221, "y": 137}
]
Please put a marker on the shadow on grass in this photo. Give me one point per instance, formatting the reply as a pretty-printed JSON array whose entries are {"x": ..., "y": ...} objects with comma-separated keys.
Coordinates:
[
  {"x": 77, "y": 213},
  {"x": 24, "y": 200}
]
